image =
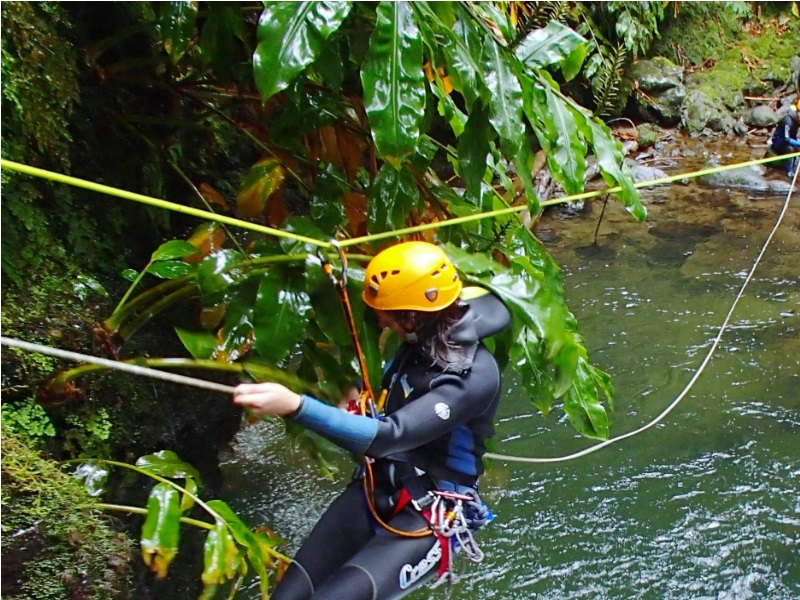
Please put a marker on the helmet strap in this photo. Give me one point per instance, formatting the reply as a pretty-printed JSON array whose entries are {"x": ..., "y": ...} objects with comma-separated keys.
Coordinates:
[{"x": 412, "y": 337}]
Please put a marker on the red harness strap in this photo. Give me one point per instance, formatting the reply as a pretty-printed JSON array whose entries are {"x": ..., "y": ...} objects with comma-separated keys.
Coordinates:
[{"x": 403, "y": 500}]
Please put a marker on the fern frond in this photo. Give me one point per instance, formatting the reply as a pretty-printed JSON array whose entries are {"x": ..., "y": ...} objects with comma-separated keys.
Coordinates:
[{"x": 606, "y": 83}]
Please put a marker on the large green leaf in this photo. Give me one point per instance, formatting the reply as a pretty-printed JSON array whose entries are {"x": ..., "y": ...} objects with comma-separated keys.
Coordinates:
[
  {"x": 526, "y": 355},
  {"x": 611, "y": 161},
  {"x": 170, "y": 269},
  {"x": 582, "y": 404},
  {"x": 568, "y": 150},
  {"x": 258, "y": 558},
  {"x": 552, "y": 45},
  {"x": 473, "y": 147},
  {"x": 290, "y": 37},
  {"x": 161, "y": 529},
  {"x": 218, "y": 39},
  {"x": 548, "y": 352},
  {"x": 176, "y": 22},
  {"x": 174, "y": 249},
  {"x": 200, "y": 344},
  {"x": 280, "y": 315},
  {"x": 505, "y": 105},
  {"x": 219, "y": 273},
  {"x": 221, "y": 557},
  {"x": 394, "y": 83},
  {"x": 394, "y": 196},
  {"x": 168, "y": 464}
]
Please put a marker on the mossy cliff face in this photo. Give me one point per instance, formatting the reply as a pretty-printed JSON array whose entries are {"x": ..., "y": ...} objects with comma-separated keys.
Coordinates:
[
  {"x": 62, "y": 252},
  {"x": 55, "y": 545},
  {"x": 733, "y": 61}
]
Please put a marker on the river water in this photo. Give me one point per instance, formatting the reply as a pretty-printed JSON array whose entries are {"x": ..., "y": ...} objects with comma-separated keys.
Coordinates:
[{"x": 706, "y": 505}]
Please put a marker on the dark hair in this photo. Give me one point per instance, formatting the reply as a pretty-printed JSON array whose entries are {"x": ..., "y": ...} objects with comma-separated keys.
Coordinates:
[{"x": 433, "y": 331}]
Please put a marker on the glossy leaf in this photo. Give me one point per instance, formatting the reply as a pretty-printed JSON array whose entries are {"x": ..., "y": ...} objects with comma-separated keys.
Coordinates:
[
  {"x": 280, "y": 314},
  {"x": 168, "y": 464},
  {"x": 244, "y": 537},
  {"x": 93, "y": 477},
  {"x": 461, "y": 45},
  {"x": 611, "y": 161},
  {"x": 219, "y": 273},
  {"x": 173, "y": 249},
  {"x": 582, "y": 404},
  {"x": 263, "y": 178},
  {"x": 176, "y": 22},
  {"x": 473, "y": 147},
  {"x": 394, "y": 196},
  {"x": 394, "y": 83},
  {"x": 188, "y": 497},
  {"x": 505, "y": 105},
  {"x": 235, "y": 337},
  {"x": 526, "y": 355},
  {"x": 568, "y": 149},
  {"x": 161, "y": 529},
  {"x": 222, "y": 559},
  {"x": 552, "y": 45},
  {"x": 170, "y": 269},
  {"x": 207, "y": 238},
  {"x": 290, "y": 37},
  {"x": 220, "y": 32},
  {"x": 200, "y": 344}
]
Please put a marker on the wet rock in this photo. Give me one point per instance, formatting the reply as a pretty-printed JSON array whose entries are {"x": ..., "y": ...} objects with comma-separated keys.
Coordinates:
[
  {"x": 661, "y": 82},
  {"x": 740, "y": 128},
  {"x": 751, "y": 178},
  {"x": 699, "y": 112},
  {"x": 760, "y": 116},
  {"x": 642, "y": 173},
  {"x": 648, "y": 135}
]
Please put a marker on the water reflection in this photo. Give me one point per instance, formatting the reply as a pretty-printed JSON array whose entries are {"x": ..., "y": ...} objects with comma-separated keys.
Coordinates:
[{"x": 703, "y": 506}]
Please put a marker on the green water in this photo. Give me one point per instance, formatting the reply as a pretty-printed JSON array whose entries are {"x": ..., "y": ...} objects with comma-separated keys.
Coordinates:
[{"x": 706, "y": 504}]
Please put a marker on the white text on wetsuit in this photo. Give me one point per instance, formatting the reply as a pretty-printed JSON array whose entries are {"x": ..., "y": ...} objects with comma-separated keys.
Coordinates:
[{"x": 410, "y": 574}]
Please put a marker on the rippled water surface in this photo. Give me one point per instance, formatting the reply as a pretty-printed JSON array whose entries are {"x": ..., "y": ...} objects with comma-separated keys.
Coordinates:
[{"x": 707, "y": 504}]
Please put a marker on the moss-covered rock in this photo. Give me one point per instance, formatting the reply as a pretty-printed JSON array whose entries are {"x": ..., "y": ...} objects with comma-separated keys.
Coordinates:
[{"x": 55, "y": 542}]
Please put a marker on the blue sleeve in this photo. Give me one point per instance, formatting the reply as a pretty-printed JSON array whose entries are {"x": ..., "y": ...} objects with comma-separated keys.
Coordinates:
[
  {"x": 352, "y": 432},
  {"x": 794, "y": 143}
]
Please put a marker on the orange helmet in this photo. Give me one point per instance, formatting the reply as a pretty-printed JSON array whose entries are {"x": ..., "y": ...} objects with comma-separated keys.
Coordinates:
[{"x": 411, "y": 276}]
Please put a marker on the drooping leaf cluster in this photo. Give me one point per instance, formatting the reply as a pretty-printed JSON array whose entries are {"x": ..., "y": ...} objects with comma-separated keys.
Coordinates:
[
  {"x": 364, "y": 119},
  {"x": 231, "y": 548}
]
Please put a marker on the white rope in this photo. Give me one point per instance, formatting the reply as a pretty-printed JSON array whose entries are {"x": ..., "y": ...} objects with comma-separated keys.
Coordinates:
[
  {"x": 118, "y": 365},
  {"x": 682, "y": 395}
]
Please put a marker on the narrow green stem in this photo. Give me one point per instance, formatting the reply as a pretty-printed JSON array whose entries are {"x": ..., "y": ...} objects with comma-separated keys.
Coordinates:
[
  {"x": 133, "y": 286},
  {"x": 214, "y": 515},
  {"x": 143, "y": 511}
]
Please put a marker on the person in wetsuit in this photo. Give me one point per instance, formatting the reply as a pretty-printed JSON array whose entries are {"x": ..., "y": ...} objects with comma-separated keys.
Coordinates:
[
  {"x": 784, "y": 138},
  {"x": 442, "y": 390}
]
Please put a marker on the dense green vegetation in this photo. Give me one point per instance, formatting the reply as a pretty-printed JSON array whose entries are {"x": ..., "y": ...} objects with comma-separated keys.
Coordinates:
[{"x": 375, "y": 117}]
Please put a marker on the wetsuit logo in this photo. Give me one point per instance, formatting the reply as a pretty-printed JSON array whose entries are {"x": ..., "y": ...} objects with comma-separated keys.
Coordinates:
[
  {"x": 410, "y": 574},
  {"x": 442, "y": 411}
]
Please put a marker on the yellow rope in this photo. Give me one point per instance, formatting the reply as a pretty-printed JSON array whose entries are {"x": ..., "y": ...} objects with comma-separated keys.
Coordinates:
[{"x": 112, "y": 191}]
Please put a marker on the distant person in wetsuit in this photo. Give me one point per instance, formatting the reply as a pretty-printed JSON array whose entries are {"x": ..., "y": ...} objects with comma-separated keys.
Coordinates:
[
  {"x": 784, "y": 138},
  {"x": 442, "y": 389}
]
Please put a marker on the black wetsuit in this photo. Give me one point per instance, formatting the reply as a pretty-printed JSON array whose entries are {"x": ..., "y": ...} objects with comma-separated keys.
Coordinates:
[
  {"x": 436, "y": 420},
  {"x": 784, "y": 138}
]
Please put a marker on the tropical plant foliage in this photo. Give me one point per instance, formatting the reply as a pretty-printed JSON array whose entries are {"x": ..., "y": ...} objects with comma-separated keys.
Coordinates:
[
  {"x": 368, "y": 119},
  {"x": 616, "y": 33},
  {"x": 231, "y": 548}
]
